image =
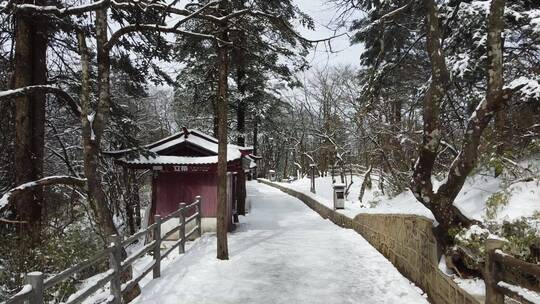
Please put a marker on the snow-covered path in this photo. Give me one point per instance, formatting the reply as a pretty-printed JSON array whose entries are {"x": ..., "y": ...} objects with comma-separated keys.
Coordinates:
[{"x": 283, "y": 252}]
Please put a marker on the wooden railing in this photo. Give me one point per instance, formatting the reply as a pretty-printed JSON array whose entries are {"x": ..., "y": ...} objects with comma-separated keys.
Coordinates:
[
  {"x": 33, "y": 291},
  {"x": 501, "y": 283}
]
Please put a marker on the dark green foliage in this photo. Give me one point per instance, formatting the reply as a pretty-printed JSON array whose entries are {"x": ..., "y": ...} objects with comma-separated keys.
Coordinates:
[
  {"x": 65, "y": 243},
  {"x": 263, "y": 50}
]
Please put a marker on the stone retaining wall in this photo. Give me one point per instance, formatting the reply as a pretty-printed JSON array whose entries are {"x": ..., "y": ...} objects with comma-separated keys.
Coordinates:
[{"x": 406, "y": 240}]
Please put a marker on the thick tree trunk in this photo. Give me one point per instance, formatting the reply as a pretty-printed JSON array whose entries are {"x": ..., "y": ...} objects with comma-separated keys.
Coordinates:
[
  {"x": 222, "y": 220},
  {"x": 495, "y": 98},
  {"x": 441, "y": 202},
  {"x": 421, "y": 180},
  {"x": 93, "y": 124},
  {"x": 421, "y": 186},
  {"x": 30, "y": 69}
]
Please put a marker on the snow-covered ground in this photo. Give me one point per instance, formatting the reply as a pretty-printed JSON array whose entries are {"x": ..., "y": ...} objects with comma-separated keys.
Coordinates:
[
  {"x": 523, "y": 199},
  {"x": 282, "y": 252},
  {"x": 372, "y": 202}
]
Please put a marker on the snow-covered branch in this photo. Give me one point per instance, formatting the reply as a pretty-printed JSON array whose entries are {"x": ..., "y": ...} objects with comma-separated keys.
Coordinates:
[
  {"x": 115, "y": 37},
  {"x": 61, "y": 94},
  {"x": 162, "y": 29},
  {"x": 528, "y": 88},
  {"x": 8, "y": 197},
  {"x": 53, "y": 10}
]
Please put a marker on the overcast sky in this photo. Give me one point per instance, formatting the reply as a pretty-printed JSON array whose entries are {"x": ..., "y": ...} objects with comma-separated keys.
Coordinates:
[{"x": 323, "y": 14}]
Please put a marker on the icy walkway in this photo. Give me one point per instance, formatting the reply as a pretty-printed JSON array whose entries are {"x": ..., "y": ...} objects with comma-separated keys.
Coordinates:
[{"x": 283, "y": 252}]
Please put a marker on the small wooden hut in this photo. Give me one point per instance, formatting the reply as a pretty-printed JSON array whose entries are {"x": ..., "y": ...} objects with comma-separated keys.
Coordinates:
[{"x": 183, "y": 166}]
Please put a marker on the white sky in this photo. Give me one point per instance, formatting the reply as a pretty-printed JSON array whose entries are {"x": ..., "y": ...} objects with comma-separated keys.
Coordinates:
[{"x": 323, "y": 14}]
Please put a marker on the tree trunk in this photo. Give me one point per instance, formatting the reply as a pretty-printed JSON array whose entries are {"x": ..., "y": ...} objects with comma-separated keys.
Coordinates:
[
  {"x": 136, "y": 200},
  {"x": 129, "y": 203},
  {"x": 502, "y": 135},
  {"x": 255, "y": 142},
  {"x": 421, "y": 180},
  {"x": 255, "y": 134},
  {"x": 441, "y": 202},
  {"x": 238, "y": 59},
  {"x": 241, "y": 120},
  {"x": 222, "y": 220},
  {"x": 285, "y": 164},
  {"x": 93, "y": 124},
  {"x": 241, "y": 193},
  {"x": 366, "y": 183},
  {"x": 238, "y": 55},
  {"x": 215, "y": 122},
  {"x": 30, "y": 69}
]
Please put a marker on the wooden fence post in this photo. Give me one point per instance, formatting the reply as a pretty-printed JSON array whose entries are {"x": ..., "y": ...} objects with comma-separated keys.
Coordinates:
[
  {"x": 35, "y": 279},
  {"x": 115, "y": 262},
  {"x": 157, "y": 249},
  {"x": 493, "y": 296},
  {"x": 182, "y": 233},
  {"x": 199, "y": 214}
]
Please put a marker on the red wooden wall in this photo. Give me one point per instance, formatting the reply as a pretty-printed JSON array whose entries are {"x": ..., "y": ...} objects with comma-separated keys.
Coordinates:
[{"x": 174, "y": 187}]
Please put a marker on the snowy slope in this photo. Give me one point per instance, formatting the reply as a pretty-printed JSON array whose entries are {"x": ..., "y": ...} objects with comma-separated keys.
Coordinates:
[
  {"x": 524, "y": 198},
  {"x": 404, "y": 203}
]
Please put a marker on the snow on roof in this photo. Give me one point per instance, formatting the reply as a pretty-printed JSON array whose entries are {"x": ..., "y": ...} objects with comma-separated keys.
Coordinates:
[
  {"x": 164, "y": 141},
  {"x": 176, "y": 160},
  {"x": 242, "y": 148},
  {"x": 194, "y": 137},
  {"x": 252, "y": 164},
  {"x": 201, "y": 134},
  {"x": 204, "y": 143}
]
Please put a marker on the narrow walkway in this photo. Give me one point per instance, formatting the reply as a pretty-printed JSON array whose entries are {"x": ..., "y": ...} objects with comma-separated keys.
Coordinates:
[{"x": 283, "y": 252}]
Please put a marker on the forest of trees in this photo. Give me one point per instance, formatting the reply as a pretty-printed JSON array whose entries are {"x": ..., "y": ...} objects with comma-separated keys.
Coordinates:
[
  {"x": 81, "y": 79},
  {"x": 441, "y": 90}
]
